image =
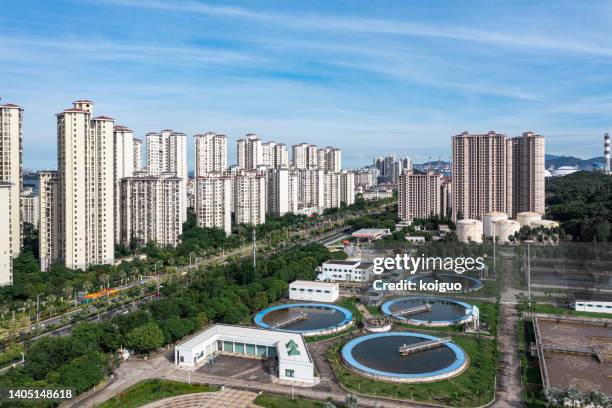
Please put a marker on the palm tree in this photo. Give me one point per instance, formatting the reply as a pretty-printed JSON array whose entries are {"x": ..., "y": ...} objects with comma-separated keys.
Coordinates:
[
  {"x": 599, "y": 399},
  {"x": 51, "y": 299}
]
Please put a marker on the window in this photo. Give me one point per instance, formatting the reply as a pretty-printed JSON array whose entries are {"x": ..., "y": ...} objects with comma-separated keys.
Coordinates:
[{"x": 289, "y": 373}]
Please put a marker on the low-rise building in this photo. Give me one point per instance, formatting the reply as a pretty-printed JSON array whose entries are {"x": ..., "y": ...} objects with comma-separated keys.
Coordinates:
[
  {"x": 344, "y": 271},
  {"x": 294, "y": 361},
  {"x": 314, "y": 291},
  {"x": 370, "y": 234},
  {"x": 592, "y": 302}
]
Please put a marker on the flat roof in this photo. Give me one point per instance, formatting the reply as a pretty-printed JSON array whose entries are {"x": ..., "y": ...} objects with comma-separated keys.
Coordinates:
[
  {"x": 313, "y": 283},
  {"x": 366, "y": 232},
  {"x": 341, "y": 262},
  {"x": 253, "y": 335}
]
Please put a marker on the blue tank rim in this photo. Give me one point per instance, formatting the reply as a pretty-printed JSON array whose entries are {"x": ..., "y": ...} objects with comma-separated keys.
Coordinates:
[
  {"x": 347, "y": 356},
  {"x": 469, "y": 309},
  {"x": 258, "y": 319}
]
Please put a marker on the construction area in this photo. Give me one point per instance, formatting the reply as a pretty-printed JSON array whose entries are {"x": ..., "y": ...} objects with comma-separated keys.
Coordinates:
[{"x": 574, "y": 351}]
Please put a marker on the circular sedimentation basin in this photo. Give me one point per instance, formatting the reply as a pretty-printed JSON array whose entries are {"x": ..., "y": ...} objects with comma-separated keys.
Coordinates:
[
  {"x": 308, "y": 319},
  {"x": 441, "y": 311}
]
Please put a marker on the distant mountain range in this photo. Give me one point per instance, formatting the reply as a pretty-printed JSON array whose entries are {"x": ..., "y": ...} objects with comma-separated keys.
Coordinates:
[{"x": 583, "y": 164}]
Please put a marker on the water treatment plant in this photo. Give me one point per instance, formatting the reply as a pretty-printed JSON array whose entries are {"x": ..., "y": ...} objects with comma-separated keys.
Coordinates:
[
  {"x": 431, "y": 311},
  {"x": 404, "y": 357},
  {"x": 308, "y": 319}
]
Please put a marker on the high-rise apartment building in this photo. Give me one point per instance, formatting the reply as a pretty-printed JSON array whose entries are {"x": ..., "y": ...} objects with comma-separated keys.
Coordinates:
[
  {"x": 6, "y": 259},
  {"x": 280, "y": 156},
  {"x": 84, "y": 219},
  {"x": 331, "y": 190},
  {"x": 138, "y": 155},
  {"x": 366, "y": 177},
  {"x": 482, "y": 169},
  {"x": 282, "y": 191},
  {"x": 167, "y": 153},
  {"x": 311, "y": 188},
  {"x": 329, "y": 159},
  {"x": 124, "y": 167},
  {"x": 211, "y": 153},
  {"x": 528, "y": 173},
  {"x": 11, "y": 120},
  {"x": 151, "y": 209},
  {"x": 421, "y": 196},
  {"x": 347, "y": 187},
  {"x": 249, "y": 152},
  {"x": 305, "y": 156},
  {"x": 48, "y": 233},
  {"x": 213, "y": 201},
  {"x": 250, "y": 197},
  {"x": 30, "y": 206}
]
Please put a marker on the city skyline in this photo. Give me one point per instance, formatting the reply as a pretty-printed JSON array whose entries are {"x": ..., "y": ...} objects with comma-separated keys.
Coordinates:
[{"x": 370, "y": 76}]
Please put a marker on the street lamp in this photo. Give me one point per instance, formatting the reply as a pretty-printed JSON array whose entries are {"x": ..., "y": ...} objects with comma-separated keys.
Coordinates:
[{"x": 529, "y": 242}]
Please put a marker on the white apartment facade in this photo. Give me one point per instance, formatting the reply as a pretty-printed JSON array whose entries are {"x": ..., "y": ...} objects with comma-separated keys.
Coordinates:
[
  {"x": 210, "y": 153},
  {"x": 249, "y": 152},
  {"x": 6, "y": 259},
  {"x": 150, "y": 209},
  {"x": 250, "y": 198},
  {"x": 347, "y": 187},
  {"x": 311, "y": 188},
  {"x": 213, "y": 201},
  {"x": 48, "y": 233},
  {"x": 11, "y": 156},
  {"x": 30, "y": 206},
  {"x": 137, "y": 155},
  {"x": 282, "y": 191},
  {"x": 304, "y": 156},
  {"x": 124, "y": 167},
  {"x": 83, "y": 190},
  {"x": 332, "y": 190},
  {"x": 421, "y": 196}
]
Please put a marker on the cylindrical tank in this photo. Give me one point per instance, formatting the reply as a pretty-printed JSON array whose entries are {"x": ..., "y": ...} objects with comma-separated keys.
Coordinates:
[
  {"x": 469, "y": 230},
  {"x": 504, "y": 229},
  {"x": 544, "y": 223},
  {"x": 489, "y": 218},
  {"x": 527, "y": 217}
]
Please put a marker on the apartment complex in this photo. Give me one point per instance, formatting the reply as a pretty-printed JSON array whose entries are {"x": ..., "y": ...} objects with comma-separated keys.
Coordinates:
[
  {"x": 528, "y": 174},
  {"x": 124, "y": 167},
  {"x": 210, "y": 153},
  {"x": 304, "y": 156},
  {"x": 249, "y": 152},
  {"x": 250, "y": 197},
  {"x": 282, "y": 191},
  {"x": 6, "y": 259},
  {"x": 347, "y": 187},
  {"x": 138, "y": 154},
  {"x": 422, "y": 195},
  {"x": 213, "y": 201},
  {"x": 11, "y": 121},
  {"x": 329, "y": 159},
  {"x": 151, "y": 209},
  {"x": 493, "y": 173},
  {"x": 80, "y": 228},
  {"x": 30, "y": 206}
]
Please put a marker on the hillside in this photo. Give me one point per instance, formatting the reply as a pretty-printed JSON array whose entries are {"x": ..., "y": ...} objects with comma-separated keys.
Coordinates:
[
  {"x": 582, "y": 202},
  {"x": 583, "y": 164}
]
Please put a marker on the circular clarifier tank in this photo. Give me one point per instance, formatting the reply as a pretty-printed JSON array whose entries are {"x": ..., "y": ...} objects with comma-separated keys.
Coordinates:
[
  {"x": 309, "y": 319},
  {"x": 404, "y": 357},
  {"x": 430, "y": 311},
  {"x": 468, "y": 283}
]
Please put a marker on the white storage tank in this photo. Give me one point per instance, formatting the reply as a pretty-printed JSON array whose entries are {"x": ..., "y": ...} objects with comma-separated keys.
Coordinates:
[
  {"x": 489, "y": 218},
  {"x": 527, "y": 217},
  {"x": 469, "y": 230},
  {"x": 544, "y": 223},
  {"x": 504, "y": 229}
]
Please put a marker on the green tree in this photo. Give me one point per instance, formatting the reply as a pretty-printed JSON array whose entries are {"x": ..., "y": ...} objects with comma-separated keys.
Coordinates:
[{"x": 145, "y": 338}]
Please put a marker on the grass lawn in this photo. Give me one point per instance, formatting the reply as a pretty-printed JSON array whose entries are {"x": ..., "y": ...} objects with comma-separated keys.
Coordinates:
[
  {"x": 349, "y": 303},
  {"x": 152, "y": 390},
  {"x": 473, "y": 388},
  {"x": 276, "y": 401},
  {"x": 374, "y": 310},
  {"x": 565, "y": 311},
  {"x": 314, "y": 339}
]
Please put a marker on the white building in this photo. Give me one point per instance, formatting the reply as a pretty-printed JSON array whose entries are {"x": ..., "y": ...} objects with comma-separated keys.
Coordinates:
[
  {"x": 48, "y": 228},
  {"x": 11, "y": 119},
  {"x": 137, "y": 154},
  {"x": 329, "y": 159},
  {"x": 331, "y": 190},
  {"x": 30, "y": 206},
  {"x": 592, "y": 305},
  {"x": 124, "y": 167},
  {"x": 210, "y": 153},
  {"x": 344, "y": 271},
  {"x": 150, "y": 210},
  {"x": 84, "y": 219},
  {"x": 304, "y": 156},
  {"x": 294, "y": 361},
  {"x": 315, "y": 291},
  {"x": 280, "y": 156},
  {"x": 347, "y": 187},
  {"x": 421, "y": 196},
  {"x": 282, "y": 191},
  {"x": 6, "y": 261},
  {"x": 311, "y": 188},
  {"x": 167, "y": 153},
  {"x": 250, "y": 198},
  {"x": 249, "y": 152},
  {"x": 213, "y": 201}
]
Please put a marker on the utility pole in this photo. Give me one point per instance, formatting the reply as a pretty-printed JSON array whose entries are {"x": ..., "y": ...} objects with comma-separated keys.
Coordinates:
[{"x": 254, "y": 249}]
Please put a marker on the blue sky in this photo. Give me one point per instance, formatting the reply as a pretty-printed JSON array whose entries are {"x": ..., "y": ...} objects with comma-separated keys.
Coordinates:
[{"x": 371, "y": 77}]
